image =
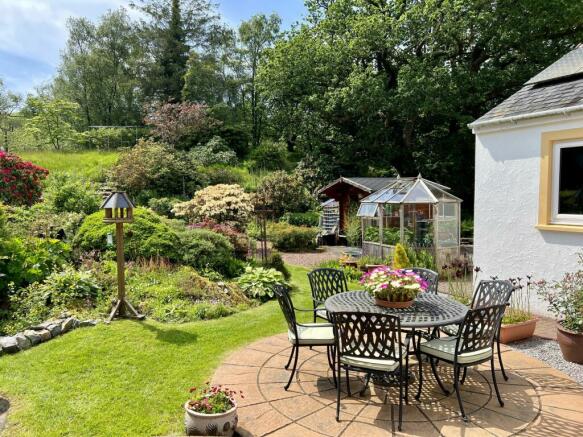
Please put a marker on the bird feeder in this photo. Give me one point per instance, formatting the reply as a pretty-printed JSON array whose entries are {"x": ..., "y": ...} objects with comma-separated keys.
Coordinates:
[{"x": 119, "y": 210}]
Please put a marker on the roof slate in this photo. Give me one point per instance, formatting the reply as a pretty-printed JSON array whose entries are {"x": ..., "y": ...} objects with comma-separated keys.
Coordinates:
[{"x": 538, "y": 95}]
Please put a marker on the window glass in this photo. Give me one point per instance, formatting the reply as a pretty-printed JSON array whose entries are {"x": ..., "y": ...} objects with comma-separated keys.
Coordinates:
[{"x": 570, "y": 193}]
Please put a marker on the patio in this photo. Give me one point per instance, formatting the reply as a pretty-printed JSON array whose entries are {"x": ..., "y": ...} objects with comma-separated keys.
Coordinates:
[{"x": 539, "y": 400}]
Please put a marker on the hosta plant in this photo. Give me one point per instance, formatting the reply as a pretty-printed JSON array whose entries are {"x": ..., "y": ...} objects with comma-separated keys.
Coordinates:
[
  {"x": 258, "y": 282},
  {"x": 391, "y": 285}
]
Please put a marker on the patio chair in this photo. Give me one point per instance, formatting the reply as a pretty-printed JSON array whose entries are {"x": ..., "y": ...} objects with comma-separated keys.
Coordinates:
[
  {"x": 488, "y": 293},
  {"x": 369, "y": 343},
  {"x": 303, "y": 334},
  {"x": 430, "y": 276},
  {"x": 325, "y": 283},
  {"x": 472, "y": 346}
]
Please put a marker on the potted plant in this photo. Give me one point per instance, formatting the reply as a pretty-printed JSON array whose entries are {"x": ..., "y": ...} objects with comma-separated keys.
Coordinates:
[
  {"x": 518, "y": 322},
  {"x": 211, "y": 410},
  {"x": 565, "y": 299},
  {"x": 393, "y": 288}
]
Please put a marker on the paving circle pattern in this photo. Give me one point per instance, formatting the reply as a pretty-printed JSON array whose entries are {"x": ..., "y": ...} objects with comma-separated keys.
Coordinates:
[{"x": 538, "y": 399}]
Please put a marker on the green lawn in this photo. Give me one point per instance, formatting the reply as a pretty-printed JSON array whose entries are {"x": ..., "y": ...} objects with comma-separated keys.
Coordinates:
[
  {"x": 90, "y": 164},
  {"x": 128, "y": 378}
]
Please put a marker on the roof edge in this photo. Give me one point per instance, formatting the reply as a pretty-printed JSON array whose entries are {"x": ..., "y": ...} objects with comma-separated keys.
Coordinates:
[
  {"x": 348, "y": 181},
  {"x": 515, "y": 118}
]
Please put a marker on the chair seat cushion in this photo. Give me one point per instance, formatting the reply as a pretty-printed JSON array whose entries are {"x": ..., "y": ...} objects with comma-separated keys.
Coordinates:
[
  {"x": 370, "y": 363},
  {"x": 322, "y": 313},
  {"x": 451, "y": 330},
  {"x": 444, "y": 348},
  {"x": 313, "y": 334}
]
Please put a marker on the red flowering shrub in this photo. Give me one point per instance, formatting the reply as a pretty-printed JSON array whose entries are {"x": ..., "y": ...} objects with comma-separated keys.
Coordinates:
[
  {"x": 20, "y": 181},
  {"x": 237, "y": 238}
]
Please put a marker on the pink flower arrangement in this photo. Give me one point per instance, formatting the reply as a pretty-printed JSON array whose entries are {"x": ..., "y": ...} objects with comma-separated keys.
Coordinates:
[
  {"x": 20, "y": 181},
  {"x": 393, "y": 285}
]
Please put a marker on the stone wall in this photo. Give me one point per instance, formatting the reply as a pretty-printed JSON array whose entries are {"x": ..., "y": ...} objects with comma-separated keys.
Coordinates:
[{"x": 41, "y": 333}]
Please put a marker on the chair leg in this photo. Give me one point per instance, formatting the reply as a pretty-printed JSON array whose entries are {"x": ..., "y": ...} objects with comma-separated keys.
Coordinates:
[
  {"x": 464, "y": 376},
  {"x": 420, "y": 385},
  {"x": 291, "y": 377},
  {"x": 500, "y": 401},
  {"x": 437, "y": 378},
  {"x": 402, "y": 379},
  {"x": 293, "y": 349},
  {"x": 456, "y": 382},
  {"x": 500, "y": 359},
  {"x": 406, "y": 376},
  {"x": 348, "y": 383},
  {"x": 366, "y": 383},
  {"x": 338, "y": 391},
  {"x": 330, "y": 353}
]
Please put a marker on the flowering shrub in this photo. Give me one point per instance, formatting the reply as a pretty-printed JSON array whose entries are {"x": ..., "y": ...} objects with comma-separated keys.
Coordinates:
[
  {"x": 565, "y": 298},
  {"x": 21, "y": 180},
  {"x": 393, "y": 285},
  {"x": 214, "y": 399},
  {"x": 221, "y": 203},
  {"x": 237, "y": 238}
]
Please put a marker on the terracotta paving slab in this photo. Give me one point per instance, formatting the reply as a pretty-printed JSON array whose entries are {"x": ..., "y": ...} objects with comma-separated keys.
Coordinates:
[{"x": 539, "y": 400}]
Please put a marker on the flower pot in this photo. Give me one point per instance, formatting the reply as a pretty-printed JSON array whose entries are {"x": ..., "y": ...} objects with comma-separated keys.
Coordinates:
[
  {"x": 222, "y": 424},
  {"x": 389, "y": 304},
  {"x": 371, "y": 267},
  {"x": 517, "y": 331},
  {"x": 571, "y": 344}
]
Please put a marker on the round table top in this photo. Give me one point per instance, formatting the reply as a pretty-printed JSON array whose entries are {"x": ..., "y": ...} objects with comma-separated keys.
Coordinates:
[{"x": 428, "y": 310}]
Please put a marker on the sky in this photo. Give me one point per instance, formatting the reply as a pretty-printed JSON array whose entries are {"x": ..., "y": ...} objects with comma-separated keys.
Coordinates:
[{"x": 33, "y": 32}]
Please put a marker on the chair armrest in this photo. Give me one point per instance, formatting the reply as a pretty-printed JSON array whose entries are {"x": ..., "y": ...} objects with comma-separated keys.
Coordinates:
[{"x": 309, "y": 310}]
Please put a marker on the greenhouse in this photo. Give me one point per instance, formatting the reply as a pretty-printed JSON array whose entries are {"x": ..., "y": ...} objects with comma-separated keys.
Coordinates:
[{"x": 416, "y": 211}]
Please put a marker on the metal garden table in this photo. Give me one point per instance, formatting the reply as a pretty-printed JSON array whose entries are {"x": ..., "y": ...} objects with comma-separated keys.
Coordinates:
[{"x": 428, "y": 311}]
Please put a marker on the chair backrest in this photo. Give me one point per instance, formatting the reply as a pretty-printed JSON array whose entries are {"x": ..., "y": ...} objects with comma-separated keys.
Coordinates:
[
  {"x": 479, "y": 328},
  {"x": 287, "y": 307},
  {"x": 326, "y": 282},
  {"x": 367, "y": 335},
  {"x": 490, "y": 293},
  {"x": 430, "y": 276}
]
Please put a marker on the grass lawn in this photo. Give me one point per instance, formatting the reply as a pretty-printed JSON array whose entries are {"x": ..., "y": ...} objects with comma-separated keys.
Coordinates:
[
  {"x": 128, "y": 378},
  {"x": 90, "y": 164}
]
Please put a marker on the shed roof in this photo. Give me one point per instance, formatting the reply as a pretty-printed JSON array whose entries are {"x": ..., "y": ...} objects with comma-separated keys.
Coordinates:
[
  {"x": 558, "y": 87},
  {"x": 369, "y": 185}
]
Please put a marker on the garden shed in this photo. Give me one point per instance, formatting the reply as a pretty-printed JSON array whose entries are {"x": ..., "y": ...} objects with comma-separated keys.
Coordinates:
[
  {"x": 416, "y": 211},
  {"x": 528, "y": 209},
  {"x": 349, "y": 191}
]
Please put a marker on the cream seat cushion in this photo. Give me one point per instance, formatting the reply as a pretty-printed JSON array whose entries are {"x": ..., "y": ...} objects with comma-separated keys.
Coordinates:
[
  {"x": 444, "y": 348},
  {"x": 383, "y": 365},
  {"x": 313, "y": 334}
]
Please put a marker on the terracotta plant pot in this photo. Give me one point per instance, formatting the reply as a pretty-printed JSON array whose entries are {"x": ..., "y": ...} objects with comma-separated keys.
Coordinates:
[
  {"x": 388, "y": 304},
  {"x": 371, "y": 267},
  {"x": 517, "y": 331},
  {"x": 571, "y": 344},
  {"x": 222, "y": 424}
]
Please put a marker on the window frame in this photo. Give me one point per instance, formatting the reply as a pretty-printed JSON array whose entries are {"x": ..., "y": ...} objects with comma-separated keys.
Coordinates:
[
  {"x": 549, "y": 142},
  {"x": 556, "y": 217}
]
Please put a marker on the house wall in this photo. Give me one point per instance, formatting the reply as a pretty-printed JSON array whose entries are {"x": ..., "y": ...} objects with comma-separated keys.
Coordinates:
[{"x": 506, "y": 242}]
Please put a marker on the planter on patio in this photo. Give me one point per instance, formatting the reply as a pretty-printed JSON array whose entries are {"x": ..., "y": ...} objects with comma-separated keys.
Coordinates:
[
  {"x": 517, "y": 331},
  {"x": 222, "y": 424},
  {"x": 571, "y": 344}
]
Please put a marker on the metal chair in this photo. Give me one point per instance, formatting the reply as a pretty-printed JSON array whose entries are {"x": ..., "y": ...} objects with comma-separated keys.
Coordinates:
[
  {"x": 325, "y": 283},
  {"x": 370, "y": 343},
  {"x": 430, "y": 276},
  {"x": 488, "y": 293},
  {"x": 473, "y": 345},
  {"x": 303, "y": 334}
]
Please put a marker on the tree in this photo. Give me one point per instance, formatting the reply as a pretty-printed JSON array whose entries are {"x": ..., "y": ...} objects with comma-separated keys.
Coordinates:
[
  {"x": 99, "y": 70},
  {"x": 170, "y": 31},
  {"x": 9, "y": 102},
  {"x": 381, "y": 84},
  {"x": 179, "y": 124},
  {"x": 52, "y": 122},
  {"x": 256, "y": 35}
]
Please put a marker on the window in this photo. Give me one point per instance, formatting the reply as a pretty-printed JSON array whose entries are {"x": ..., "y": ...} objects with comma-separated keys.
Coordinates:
[
  {"x": 561, "y": 181},
  {"x": 567, "y": 185}
]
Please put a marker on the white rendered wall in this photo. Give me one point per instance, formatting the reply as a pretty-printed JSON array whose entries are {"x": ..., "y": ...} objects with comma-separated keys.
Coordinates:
[{"x": 506, "y": 242}]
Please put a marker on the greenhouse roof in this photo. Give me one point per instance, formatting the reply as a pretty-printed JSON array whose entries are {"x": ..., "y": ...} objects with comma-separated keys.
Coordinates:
[{"x": 409, "y": 190}]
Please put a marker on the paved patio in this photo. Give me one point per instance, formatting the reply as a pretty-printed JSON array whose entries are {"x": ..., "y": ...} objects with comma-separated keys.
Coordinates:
[{"x": 540, "y": 401}]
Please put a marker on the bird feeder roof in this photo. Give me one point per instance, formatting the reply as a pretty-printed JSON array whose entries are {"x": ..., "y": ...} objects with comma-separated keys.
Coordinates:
[{"x": 117, "y": 200}]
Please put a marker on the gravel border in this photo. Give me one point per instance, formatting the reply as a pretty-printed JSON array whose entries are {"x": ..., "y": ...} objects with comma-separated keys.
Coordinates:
[{"x": 549, "y": 352}]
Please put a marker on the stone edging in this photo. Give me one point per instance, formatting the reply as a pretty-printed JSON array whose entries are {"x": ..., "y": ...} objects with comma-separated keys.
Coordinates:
[{"x": 41, "y": 333}]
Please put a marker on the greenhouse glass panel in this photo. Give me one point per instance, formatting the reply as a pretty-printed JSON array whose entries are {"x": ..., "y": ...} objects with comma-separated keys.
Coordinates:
[
  {"x": 367, "y": 210},
  {"x": 419, "y": 193}
]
